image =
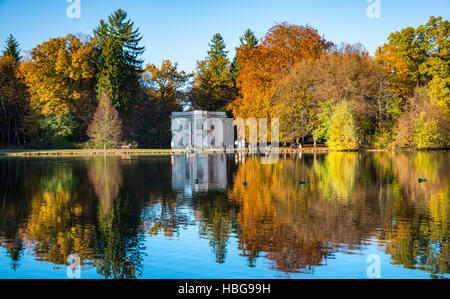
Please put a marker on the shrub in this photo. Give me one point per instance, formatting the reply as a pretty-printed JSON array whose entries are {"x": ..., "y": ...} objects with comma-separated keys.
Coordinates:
[
  {"x": 57, "y": 128},
  {"x": 381, "y": 140},
  {"x": 343, "y": 131},
  {"x": 427, "y": 132}
]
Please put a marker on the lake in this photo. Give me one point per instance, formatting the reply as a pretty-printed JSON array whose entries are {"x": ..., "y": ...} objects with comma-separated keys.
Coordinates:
[{"x": 353, "y": 215}]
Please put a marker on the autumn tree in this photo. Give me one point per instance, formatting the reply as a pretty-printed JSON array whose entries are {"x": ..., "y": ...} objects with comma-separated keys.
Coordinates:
[
  {"x": 349, "y": 74},
  {"x": 416, "y": 56},
  {"x": 343, "y": 131},
  {"x": 106, "y": 127},
  {"x": 248, "y": 39},
  {"x": 305, "y": 97},
  {"x": 14, "y": 97},
  {"x": 429, "y": 133},
  {"x": 13, "y": 102},
  {"x": 437, "y": 66},
  {"x": 260, "y": 68},
  {"x": 418, "y": 62},
  {"x": 163, "y": 92},
  {"x": 119, "y": 63},
  {"x": 295, "y": 104},
  {"x": 213, "y": 87},
  {"x": 423, "y": 124},
  {"x": 60, "y": 76},
  {"x": 168, "y": 82}
]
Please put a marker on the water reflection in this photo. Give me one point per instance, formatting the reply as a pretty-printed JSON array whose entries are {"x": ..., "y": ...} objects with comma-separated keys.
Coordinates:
[
  {"x": 108, "y": 209},
  {"x": 199, "y": 173},
  {"x": 106, "y": 178}
]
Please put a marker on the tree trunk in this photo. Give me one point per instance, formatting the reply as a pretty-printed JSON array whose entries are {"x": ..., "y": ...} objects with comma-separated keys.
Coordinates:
[
  {"x": 9, "y": 131},
  {"x": 3, "y": 135},
  {"x": 314, "y": 132},
  {"x": 16, "y": 131}
]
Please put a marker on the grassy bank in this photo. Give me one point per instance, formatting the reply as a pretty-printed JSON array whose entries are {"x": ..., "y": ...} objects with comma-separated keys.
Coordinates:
[
  {"x": 112, "y": 152},
  {"x": 88, "y": 152},
  {"x": 153, "y": 152}
]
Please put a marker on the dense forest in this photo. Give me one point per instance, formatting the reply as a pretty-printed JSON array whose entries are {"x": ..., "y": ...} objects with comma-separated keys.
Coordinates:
[{"x": 95, "y": 91}]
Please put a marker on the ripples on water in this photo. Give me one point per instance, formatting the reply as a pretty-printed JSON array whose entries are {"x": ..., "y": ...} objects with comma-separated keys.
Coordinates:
[{"x": 191, "y": 217}]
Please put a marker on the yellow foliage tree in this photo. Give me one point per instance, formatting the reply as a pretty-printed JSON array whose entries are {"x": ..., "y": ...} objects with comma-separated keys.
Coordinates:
[{"x": 57, "y": 72}]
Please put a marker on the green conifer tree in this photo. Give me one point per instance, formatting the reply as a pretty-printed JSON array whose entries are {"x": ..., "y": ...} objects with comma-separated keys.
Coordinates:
[
  {"x": 217, "y": 47},
  {"x": 12, "y": 48},
  {"x": 249, "y": 39},
  {"x": 214, "y": 85},
  {"x": 119, "y": 63}
]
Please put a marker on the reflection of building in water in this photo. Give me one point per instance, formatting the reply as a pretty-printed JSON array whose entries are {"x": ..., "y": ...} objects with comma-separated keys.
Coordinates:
[
  {"x": 199, "y": 173},
  {"x": 202, "y": 129}
]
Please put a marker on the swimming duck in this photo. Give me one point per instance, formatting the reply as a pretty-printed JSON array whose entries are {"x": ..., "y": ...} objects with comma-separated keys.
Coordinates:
[
  {"x": 245, "y": 184},
  {"x": 421, "y": 180},
  {"x": 301, "y": 182}
]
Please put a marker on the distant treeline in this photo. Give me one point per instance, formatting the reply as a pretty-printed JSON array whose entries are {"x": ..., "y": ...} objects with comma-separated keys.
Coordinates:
[{"x": 333, "y": 94}]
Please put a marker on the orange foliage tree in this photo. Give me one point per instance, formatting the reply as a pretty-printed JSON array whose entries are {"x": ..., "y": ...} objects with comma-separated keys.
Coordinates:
[{"x": 283, "y": 46}]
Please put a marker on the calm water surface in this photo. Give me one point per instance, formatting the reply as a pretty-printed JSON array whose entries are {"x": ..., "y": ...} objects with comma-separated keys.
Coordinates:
[{"x": 147, "y": 217}]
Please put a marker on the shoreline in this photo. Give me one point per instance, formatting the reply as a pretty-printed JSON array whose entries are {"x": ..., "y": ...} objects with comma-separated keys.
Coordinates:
[
  {"x": 169, "y": 152},
  {"x": 86, "y": 152}
]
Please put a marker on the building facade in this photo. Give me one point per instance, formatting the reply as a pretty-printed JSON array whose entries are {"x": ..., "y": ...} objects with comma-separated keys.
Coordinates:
[{"x": 202, "y": 130}]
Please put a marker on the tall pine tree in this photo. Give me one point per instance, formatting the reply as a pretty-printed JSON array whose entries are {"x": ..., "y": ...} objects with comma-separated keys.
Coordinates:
[
  {"x": 119, "y": 63},
  {"x": 214, "y": 85},
  {"x": 217, "y": 47},
  {"x": 249, "y": 39},
  {"x": 12, "y": 48}
]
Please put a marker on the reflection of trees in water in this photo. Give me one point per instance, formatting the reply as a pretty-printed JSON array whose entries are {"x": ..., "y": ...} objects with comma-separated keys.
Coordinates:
[
  {"x": 348, "y": 197},
  {"x": 105, "y": 175},
  {"x": 164, "y": 215},
  {"x": 44, "y": 201},
  {"x": 217, "y": 217},
  {"x": 65, "y": 218},
  {"x": 54, "y": 227},
  {"x": 290, "y": 253},
  {"x": 166, "y": 212},
  {"x": 337, "y": 174},
  {"x": 291, "y": 224},
  {"x": 120, "y": 239},
  {"x": 418, "y": 237},
  {"x": 119, "y": 232},
  {"x": 15, "y": 190},
  {"x": 100, "y": 209}
]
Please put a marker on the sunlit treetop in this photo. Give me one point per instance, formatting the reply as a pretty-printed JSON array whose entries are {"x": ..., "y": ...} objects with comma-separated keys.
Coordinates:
[{"x": 12, "y": 48}]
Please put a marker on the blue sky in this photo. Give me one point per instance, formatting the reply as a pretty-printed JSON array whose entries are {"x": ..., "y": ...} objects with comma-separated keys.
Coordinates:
[{"x": 180, "y": 30}]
